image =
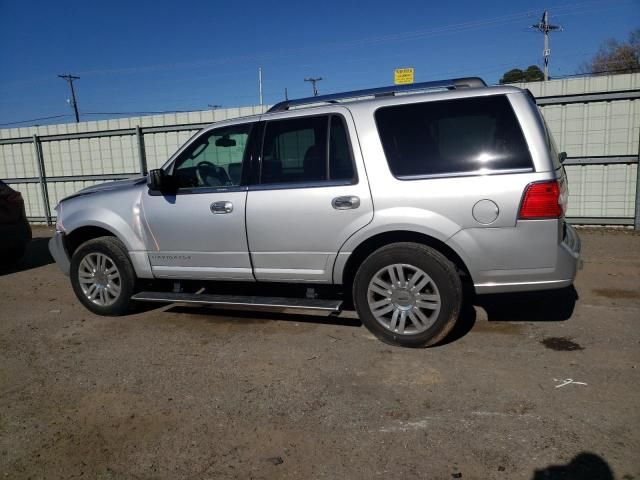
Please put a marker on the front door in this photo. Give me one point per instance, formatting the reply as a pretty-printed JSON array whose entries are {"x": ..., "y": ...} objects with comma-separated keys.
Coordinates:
[
  {"x": 311, "y": 196},
  {"x": 199, "y": 232}
]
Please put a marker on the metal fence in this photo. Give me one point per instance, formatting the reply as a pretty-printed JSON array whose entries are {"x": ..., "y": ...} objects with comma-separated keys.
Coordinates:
[
  {"x": 595, "y": 120},
  {"x": 59, "y": 160}
]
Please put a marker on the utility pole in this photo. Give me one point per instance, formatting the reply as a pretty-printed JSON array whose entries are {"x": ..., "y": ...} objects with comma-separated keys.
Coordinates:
[
  {"x": 70, "y": 78},
  {"x": 544, "y": 27},
  {"x": 313, "y": 82},
  {"x": 213, "y": 107}
]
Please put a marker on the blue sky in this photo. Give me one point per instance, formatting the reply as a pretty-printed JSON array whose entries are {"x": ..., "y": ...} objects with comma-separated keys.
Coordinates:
[{"x": 143, "y": 56}]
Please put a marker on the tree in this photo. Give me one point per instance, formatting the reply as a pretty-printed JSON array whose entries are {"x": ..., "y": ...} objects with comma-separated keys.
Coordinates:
[
  {"x": 512, "y": 76},
  {"x": 531, "y": 74},
  {"x": 614, "y": 56}
]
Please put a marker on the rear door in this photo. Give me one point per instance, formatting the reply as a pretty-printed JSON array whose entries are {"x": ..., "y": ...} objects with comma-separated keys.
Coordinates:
[{"x": 311, "y": 195}]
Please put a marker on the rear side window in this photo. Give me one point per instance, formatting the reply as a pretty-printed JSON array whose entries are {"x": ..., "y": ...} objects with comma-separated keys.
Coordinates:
[
  {"x": 463, "y": 136},
  {"x": 306, "y": 149}
]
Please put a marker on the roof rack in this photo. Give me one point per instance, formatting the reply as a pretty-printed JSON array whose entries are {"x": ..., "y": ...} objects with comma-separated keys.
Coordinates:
[{"x": 450, "y": 84}]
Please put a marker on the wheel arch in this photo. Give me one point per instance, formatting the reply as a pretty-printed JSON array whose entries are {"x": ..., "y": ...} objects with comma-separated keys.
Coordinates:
[
  {"x": 371, "y": 244},
  {"x": 77, "y": 237}
]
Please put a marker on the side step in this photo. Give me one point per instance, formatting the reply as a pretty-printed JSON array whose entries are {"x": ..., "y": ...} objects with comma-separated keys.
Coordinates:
[{"x": 241, "y": 302}]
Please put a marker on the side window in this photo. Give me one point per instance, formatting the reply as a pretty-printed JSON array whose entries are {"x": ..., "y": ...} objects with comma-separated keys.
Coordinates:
[
  {"x": 295, "y": 151},
  {"x": 453, "y": 136},
  {"x": 214, "y": 159},
  {"x": 340, "y": 159}
]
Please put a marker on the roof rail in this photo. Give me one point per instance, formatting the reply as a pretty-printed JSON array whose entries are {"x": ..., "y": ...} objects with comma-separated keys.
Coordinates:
[{"x": 450, "y": 84}]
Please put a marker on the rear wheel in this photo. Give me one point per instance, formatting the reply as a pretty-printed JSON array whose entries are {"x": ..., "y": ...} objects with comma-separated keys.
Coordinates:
[
  {"x": 102, "y": 276},
  {"x": 408, "y": 294}
]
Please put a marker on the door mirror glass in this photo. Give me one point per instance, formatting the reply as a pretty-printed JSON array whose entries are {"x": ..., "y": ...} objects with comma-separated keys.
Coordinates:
[{"x": 159, "y": 181}]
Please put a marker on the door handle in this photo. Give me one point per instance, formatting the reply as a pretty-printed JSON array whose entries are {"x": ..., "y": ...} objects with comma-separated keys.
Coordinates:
[
  {"x": 221, "y": 207},
  {"x": 347, "y": 202}
]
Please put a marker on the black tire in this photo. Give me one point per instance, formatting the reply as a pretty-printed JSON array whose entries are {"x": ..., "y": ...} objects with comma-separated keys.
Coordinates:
[
  {"x": 441, "y": 271},
  {"x": 117, "y": 253}
]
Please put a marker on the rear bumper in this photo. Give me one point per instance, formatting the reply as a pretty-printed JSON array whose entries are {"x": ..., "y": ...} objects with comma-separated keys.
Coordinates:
[
  {"x": 567, "y": 263},
  {"x": 59, "y": 253}
]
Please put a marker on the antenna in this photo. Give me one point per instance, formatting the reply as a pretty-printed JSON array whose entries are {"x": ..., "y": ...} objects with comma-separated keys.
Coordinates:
[
  {"x": 314, "y": 81},
  {"x": 260, "y": 86},
  {"x": 544, "y": 27}
]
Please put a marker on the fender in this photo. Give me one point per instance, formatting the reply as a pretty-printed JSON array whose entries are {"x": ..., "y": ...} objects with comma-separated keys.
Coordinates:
[
  {"x": 399, "y": 219},
  {"x": 114, "y": 212}
]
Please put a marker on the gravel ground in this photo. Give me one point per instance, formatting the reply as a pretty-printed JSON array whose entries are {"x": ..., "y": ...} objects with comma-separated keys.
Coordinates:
[{"x": 528, "y": 387}]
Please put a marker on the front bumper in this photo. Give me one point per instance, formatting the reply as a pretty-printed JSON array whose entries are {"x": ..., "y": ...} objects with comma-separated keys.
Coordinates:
[{"x": 59, "y": 252}]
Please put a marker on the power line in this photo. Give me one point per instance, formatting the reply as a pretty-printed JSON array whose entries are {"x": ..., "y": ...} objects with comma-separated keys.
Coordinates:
[
  {"x": 34, "y": 120},
  {"x": 70, "y": 78},
  {"x": 363, "y": 42},
  {"x": 154, "y": 112}
]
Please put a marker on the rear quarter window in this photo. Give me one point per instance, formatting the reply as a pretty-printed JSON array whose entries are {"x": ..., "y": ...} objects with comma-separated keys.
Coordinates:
[{"x": 463, "y": 136}]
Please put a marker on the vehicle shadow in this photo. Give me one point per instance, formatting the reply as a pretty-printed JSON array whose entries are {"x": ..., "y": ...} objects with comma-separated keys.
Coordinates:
[
  {"x": 250, "y": 316},
  {"x": 542, "y": 306},
  {"x": 464, "y": 325},
  {"x": 36, "y": 255},
  {"x": 584, "y": 466}
]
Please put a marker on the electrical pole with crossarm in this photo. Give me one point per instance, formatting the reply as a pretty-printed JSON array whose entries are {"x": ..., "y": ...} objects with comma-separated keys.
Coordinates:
[
  {"x": 313, "y": 82},
  {"x": 70, "y": 78},
  {"x": 544, "y": 27}
]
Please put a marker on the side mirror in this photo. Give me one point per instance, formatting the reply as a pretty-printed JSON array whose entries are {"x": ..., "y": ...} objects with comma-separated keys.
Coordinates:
[
  {"x": 157, "y": 180},
  {"x": 562, "y": 156}
]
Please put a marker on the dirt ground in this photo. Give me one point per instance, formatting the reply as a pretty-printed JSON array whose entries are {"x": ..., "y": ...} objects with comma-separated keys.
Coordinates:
[{"x": 532, "y": 387}]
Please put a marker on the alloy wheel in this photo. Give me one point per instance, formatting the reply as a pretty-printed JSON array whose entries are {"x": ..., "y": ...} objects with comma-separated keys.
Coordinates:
[
  {"x": 99, "y": 279},
  {"x": 404, "y": 299}
]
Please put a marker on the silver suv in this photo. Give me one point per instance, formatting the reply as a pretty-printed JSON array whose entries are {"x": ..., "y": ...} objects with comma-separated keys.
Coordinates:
[{"x": 391, "y": 199}]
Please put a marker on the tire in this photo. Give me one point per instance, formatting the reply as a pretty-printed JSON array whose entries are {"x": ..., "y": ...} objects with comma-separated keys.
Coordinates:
[
  {"x": 99, "y": 287},
  {"x": 408, "y": 294}
]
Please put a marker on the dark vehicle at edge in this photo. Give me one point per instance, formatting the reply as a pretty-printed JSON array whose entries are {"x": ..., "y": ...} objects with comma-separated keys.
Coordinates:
[{"x": 15, "y": 232}]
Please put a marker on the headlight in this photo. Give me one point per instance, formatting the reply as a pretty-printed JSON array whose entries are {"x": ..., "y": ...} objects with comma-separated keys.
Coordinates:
[{"x": 59, "y": 224}]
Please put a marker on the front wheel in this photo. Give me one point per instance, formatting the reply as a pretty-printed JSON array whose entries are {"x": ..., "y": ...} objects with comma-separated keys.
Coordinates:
[
  {"x": 102, "y": 276},
  {"x": 408, "y": 294}
]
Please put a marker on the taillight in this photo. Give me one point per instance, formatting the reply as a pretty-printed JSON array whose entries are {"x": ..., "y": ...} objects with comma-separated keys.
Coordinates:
[{"x": 542, "y": 200}]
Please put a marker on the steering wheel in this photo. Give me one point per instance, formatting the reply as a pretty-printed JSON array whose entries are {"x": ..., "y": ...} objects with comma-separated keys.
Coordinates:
[{"x": 211, "y": 175}]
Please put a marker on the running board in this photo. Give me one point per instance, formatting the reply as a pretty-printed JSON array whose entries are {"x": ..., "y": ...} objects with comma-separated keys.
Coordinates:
[{"x": 241, "y": 302}]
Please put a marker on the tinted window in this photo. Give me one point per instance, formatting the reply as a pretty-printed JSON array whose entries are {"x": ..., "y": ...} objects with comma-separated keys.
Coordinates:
[
  {"x": 295, "y": 150},
  {"x": 454, "y": 136},
  {"x": 214, "y": 159},
  {"x": 340, "y": 160}
]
